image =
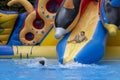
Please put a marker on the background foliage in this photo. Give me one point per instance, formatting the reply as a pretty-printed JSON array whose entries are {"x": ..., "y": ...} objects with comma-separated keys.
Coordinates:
[{"x": 16, "y": 7}]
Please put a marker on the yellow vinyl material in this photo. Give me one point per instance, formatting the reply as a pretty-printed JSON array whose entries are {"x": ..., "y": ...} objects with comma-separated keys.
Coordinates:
[
  {"x": 50, "y": 39},
  {"x": 112, "y": 52},
  {"x": 27, "y": 5},
  {"x": 33, "y": 51},
  {"x": 112, "y": 29},
  {"x": 113, "y": 46},
  {"x": 7, "y": 22},
  {"x": 88, "y": 24}
]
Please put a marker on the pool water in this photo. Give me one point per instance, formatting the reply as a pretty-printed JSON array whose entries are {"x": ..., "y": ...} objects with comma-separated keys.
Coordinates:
[{"x": 30, "y": 69}]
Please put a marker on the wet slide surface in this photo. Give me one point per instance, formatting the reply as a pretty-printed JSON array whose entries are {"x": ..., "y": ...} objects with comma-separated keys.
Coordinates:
[{"x": 88, "y": 24}]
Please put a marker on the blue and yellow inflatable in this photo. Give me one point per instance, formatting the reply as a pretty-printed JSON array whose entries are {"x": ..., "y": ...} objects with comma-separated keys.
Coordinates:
[
  {"x": 89, "y": 51},
  {"x": 32, "y": 34}
]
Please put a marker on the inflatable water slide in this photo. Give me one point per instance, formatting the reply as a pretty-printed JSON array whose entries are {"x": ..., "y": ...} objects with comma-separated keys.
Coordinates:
[
  {"x": 51, "y": 27},
  {"x": 95, "y": 18},
  {"x": 93, "y": 48}
]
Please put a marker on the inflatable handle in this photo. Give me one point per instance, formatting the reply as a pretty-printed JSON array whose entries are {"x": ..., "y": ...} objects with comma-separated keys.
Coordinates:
[
  {"x": 27, "y": 5},
  {"x": 112, "y": 29}
]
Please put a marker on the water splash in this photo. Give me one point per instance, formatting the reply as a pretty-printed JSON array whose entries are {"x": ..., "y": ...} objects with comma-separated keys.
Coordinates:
[
  {"x": 72, "y": 65},
  {"x": 53, "y": 64},
  {"x": 30, "y": 63},
  {"x": 76, "y": 65}
]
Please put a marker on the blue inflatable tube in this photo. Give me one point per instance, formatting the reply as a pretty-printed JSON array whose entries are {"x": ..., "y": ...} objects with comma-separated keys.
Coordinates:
[
  {"x": 115, "y": 3},
  {"x": 103, "y": 17},
  {"x": 6, "y": 51},
  {"x": 109, "y": 11},
  {"x": 95, "y": 49}
]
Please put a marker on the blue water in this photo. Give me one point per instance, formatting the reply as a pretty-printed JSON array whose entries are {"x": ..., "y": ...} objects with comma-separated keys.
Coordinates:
[{"x": 30, "y": 69}]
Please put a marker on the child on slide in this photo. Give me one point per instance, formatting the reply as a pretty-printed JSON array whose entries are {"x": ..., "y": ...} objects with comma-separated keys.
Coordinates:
[{"x": 79, "y": 38}]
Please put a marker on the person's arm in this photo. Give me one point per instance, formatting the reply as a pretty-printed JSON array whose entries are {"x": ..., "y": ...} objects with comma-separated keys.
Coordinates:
[
  {"x": 83, "y": 38},
  {"x": 72, "y": 39}
]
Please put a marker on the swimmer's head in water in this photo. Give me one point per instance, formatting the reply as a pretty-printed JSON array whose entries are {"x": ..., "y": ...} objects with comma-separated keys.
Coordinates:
[{"x": 42, "y": 62}]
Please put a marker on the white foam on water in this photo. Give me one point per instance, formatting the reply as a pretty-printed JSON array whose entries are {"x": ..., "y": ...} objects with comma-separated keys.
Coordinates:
[
  {"x": 31, "y": 63},
  {"x": 53, "y": 64},
  {"x": 35, "y": 62},
  {"x": 74, "y": 65}
]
